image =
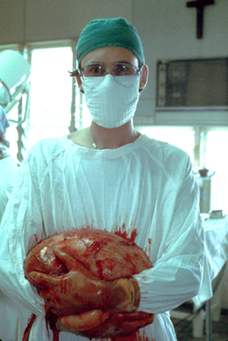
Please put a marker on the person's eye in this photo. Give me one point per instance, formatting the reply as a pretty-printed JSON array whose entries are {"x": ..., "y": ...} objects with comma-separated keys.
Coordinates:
[
  {"x": 94, "y": 71},
  {"x": 122, "y": 69}
]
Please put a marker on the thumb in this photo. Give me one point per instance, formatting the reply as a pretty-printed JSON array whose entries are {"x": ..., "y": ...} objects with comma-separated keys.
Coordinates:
[{"x": 42, "y": 279}]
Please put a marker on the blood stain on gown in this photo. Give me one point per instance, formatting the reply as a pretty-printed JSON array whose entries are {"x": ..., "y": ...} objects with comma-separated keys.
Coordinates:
[{"x": 122, "y": 232}]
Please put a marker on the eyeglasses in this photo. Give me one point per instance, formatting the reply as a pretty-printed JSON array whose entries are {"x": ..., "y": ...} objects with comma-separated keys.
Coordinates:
[{"x": 120, "y": 71}]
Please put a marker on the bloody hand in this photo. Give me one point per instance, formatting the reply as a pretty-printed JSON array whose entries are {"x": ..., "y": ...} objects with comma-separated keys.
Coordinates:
[
  {"x": 79, "y": 290},
  {"x": 96, "y": 324}
]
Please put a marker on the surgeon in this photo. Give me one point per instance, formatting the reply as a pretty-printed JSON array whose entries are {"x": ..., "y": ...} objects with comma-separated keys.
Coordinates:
[{"x": 109, "y": 177}]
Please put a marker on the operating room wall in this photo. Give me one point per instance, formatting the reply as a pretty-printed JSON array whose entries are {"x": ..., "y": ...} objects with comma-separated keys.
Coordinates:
[
  {"x": 32, "y": 20},
  {"x": 167, "y": 29}
]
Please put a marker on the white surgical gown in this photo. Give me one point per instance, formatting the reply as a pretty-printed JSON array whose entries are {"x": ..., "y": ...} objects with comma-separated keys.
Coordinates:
[
  {"x": 13, "y": 317},
  {"x": 8, "y": 175},
  {"x": 146, "y": 186}
]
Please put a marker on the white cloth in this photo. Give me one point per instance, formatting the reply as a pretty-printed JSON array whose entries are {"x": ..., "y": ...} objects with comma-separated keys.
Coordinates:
[
  {"x": 13, "y": 316},
  {"x": 8, "y": 175},
  {"x": 216, "y": 249},
  {"x": 146, "y": 186}
]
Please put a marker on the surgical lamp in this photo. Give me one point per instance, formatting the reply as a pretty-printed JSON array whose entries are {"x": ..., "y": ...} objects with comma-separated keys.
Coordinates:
[{"x": 14, "y": 81}]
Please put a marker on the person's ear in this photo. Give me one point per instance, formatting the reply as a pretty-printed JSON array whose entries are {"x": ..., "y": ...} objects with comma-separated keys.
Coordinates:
[
  {"x": 144, "y": 77},
  {"x": 79, "y": 82}
]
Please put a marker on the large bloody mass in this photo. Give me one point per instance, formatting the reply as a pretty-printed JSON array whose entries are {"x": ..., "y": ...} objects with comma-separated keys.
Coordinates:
[{"x": 107, "y": 256}]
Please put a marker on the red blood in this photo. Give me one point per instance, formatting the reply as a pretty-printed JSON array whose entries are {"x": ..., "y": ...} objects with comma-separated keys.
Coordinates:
[
  {"x": 107, "y": 255},
  {"x": 121, "y": 232}
]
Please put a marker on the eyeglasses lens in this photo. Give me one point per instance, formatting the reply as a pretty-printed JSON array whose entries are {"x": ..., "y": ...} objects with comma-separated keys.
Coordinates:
[
  {"x": 120, "y": 71},
  {"x": 94, "y": 70}
]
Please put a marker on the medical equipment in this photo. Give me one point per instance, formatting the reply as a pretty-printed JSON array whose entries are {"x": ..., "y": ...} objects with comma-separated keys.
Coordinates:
[
  {"x": 204, "y": 181},
  {"x": 14, "y": 81}
]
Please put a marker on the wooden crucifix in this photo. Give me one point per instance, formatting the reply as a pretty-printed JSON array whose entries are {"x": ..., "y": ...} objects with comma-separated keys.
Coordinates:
[{"x": 199, "y": 5}]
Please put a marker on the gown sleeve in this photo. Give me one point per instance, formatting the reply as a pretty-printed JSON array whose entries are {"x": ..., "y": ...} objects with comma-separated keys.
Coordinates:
[
  {"x": 177, "y": 272},
  {"x": 21, "y": 228}
]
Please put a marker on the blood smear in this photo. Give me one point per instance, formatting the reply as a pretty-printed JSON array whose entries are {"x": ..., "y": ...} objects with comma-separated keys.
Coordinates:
[{"x": 121, "y": 232}]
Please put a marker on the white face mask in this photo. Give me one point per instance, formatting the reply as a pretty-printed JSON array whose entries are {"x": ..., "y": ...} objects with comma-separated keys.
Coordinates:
[{"x": 111, "y": 104}]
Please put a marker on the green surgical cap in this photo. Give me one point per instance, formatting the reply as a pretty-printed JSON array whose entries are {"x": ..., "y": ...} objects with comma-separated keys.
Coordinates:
[{"x": 109, "y": 32}]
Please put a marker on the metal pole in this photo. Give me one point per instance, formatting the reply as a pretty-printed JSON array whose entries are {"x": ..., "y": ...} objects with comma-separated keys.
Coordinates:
[{"x": 208, "y": 321}]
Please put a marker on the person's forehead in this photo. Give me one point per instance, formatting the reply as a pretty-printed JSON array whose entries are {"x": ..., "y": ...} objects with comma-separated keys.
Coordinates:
[{"x": 110, "y": 55}]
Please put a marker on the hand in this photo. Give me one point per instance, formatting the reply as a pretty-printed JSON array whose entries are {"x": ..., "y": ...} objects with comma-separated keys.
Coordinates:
[
  {"x": 80, "y": 291},
  {"x": 99, "y": 324}
]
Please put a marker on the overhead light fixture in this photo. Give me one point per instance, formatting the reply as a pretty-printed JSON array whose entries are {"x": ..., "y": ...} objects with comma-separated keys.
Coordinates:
[{"x": 14, "y": 80}]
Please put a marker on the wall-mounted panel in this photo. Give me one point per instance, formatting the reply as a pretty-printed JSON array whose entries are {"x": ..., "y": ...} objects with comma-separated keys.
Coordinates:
[{"x": 192, "y": 83}]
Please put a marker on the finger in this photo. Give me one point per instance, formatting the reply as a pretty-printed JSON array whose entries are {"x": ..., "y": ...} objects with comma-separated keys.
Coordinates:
[
  {"x": 85, "y": 321},
  {"x": 129, "y": 325},
  {"x": 135, "y": 315},
  {"x": 72, "y": 263},
  {"x": 43, "y": 279}
]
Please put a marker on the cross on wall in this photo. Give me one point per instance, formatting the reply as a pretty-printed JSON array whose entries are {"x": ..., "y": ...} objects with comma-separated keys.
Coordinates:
[{"x": 199, "y": 5}]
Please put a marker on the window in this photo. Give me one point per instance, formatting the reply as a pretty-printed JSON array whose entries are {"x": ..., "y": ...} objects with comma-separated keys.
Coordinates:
[
  {"x": 50, "y": 95},
  {"x": 216, "y": 161},
  {"x": 181, "y": 137},
  {"x": 12, "y": 133},
  {"x": 211, "y": 156},
  {"x": 55, "y": 102}
]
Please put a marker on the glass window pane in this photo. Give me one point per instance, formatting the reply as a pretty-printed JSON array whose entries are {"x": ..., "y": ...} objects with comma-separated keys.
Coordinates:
[
  {"x": 51, "y": 87},
  {"x": 51, "y": 93},
  {"x": 181, "y": 137},
  {"x": 216, "y": 160},
  {"x": 11, "y": 132}
]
